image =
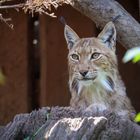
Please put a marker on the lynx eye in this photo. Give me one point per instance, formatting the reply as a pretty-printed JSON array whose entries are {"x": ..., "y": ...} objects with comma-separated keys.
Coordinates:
[
  {"x": 95, "y": 55},
  {"x": 75, "y": 57}
]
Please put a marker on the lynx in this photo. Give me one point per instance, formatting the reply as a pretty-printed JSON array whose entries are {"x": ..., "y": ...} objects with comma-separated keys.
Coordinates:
[{"x": 94, "y": 79}]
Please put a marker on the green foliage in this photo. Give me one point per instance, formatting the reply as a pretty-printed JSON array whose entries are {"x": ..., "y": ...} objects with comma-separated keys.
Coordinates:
[
  {"x": 2, "y": 78},
  {"x": 137, "y": 118},
  {"x": 132, "y": 54},
  {"x": 28, "y": 138},
  {"x": 32, "y": 137}
]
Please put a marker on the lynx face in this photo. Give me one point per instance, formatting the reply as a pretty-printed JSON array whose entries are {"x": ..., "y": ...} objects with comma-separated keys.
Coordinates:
[{"x": 92, "y": 61}]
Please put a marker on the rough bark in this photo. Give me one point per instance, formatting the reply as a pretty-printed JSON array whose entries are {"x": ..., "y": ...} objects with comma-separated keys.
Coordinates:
[
  {"x": 65, "y": 123},
  {"x": 103, "y": 11}
]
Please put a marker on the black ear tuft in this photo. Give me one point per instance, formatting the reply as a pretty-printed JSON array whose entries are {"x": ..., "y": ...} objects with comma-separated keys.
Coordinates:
[
  {"x": 70, "y": 36},
  {"x": 108, "y": 35}
]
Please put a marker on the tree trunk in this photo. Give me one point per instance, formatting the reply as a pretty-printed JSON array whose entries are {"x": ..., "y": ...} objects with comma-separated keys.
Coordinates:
[
  {"x": 103, "y": 11},
  {"x": 65, "y": 123}
]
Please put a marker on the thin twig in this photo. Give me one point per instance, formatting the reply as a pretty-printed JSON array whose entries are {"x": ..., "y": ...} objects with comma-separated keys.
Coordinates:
[
  {"x": 5, "y": 20},
  {"x": 12, "y": 6}
]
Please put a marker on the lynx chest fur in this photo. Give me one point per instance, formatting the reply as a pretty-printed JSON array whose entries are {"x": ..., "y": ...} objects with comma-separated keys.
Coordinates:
[{"x": 94, "y": 80}]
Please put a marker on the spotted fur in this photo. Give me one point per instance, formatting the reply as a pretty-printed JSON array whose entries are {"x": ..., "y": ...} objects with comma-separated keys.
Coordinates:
[{"x": 94, "y": 79}]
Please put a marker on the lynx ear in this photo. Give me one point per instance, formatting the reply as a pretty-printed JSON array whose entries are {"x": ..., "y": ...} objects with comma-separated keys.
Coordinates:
[
  {"x": 108, "y": 35},
  {"x": 70, "y": 36}
]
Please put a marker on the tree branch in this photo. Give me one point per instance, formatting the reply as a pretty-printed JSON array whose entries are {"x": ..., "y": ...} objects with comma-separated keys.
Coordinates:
[
  {"x": 12, "y": 6},
  {"x": 103, "y": 11}
]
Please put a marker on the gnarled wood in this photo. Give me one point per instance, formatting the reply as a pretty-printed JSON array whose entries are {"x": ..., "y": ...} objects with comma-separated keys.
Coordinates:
[{"x": 65, "y": 123}]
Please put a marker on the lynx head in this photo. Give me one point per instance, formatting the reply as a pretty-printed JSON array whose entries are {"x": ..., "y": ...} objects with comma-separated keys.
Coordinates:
[{"x": 92, "y": 61}]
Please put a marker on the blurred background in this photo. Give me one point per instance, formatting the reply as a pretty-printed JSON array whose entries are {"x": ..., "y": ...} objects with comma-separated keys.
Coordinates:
[{"x": 33, "y": 59}]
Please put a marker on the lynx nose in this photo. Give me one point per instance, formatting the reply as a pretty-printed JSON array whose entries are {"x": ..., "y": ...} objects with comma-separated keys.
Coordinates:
[{"x": 83, "y": 73}]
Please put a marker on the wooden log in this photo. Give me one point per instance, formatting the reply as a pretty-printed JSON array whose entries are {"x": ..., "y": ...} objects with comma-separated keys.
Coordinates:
[{"x": 66, "y": 123}]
